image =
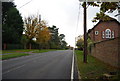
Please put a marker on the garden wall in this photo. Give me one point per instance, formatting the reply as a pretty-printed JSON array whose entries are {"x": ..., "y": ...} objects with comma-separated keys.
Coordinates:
[{"x": 107, "y": 51}]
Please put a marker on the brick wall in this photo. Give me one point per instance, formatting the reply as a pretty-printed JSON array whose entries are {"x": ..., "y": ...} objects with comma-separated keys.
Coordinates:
[{"x": 107, "y": 51}]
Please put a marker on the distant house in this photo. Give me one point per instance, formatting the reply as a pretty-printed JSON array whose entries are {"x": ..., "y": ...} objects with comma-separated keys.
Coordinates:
[{"x": 106, "y": 38}]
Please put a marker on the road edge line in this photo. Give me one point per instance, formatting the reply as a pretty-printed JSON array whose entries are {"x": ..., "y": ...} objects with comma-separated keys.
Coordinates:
[{"x": 72, "y": 70}]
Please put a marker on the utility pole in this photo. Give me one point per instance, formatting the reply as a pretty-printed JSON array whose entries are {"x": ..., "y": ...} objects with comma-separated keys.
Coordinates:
[{"x": 85, "y": 34}]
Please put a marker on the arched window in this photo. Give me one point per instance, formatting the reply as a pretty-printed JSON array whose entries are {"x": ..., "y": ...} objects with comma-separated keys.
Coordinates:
[{"x": 108, "y": 33}]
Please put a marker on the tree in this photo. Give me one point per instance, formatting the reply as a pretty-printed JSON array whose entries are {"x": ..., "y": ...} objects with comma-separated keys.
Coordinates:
[
  {"x": 61, "y": 36},
  {"x": 105, "y": 7},
  {"x": 12, "y": 23},
  {"x": 46, "y": 37},
  {"x": 90, "y": 44},
  {"x": 24, "y": 40},
  {"x": 55, "y": 40},
  {"x": 37, "y": 29},
  {"x": 62, "y": 41},
  {"x": 108, "y": 7},
  {"x": 43, "y": 36},
  {"x": 80, "y": 43},
  {"x": 63, "y": 44},
  {"x": 32, "y": 27}
]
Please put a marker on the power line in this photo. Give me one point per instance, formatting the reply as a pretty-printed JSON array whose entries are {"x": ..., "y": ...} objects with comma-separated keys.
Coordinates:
[
  {"x": 77, "y": 23},
  {"x": 25, "y": 4},
  {"x": 78, "y": 19}
]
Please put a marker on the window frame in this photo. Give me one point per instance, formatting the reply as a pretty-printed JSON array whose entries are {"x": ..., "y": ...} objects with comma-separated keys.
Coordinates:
[
  {"x": 96, "y": 32},
  {"x": 103, "y": 34},
  {"x": 108, "y": 33},
  {"x": 113, "y": 34}
]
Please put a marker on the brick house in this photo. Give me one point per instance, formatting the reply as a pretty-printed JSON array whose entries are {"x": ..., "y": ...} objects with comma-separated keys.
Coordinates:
[
  {"x": 106, "y": 41},
  {"x": 105, "y": 30}
]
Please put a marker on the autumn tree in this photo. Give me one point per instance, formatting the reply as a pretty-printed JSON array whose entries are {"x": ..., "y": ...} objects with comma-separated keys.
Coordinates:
[
  {"x": 46, "y": 37},
  {"x": 80, "y": 43},
  {"x": 36, "y": 29},
  {"x": 32, "y": 27},
  {"x": 43, "y": 35}
]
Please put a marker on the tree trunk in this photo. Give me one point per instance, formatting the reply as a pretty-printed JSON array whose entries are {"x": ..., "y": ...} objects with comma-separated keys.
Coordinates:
[
  {"x": 30, "y": 46},
  {"x": 4, "y": 46},
  {"x": 24, "y": 46}
]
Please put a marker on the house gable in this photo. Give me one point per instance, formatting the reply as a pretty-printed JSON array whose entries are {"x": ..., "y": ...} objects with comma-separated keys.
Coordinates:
[{"x": 105, "y": 30}]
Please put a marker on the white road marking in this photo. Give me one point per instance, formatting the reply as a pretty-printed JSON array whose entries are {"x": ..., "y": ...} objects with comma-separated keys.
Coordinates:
[
  {"x": 13, "y": 69},
  {"x": 72, "y": 70}
]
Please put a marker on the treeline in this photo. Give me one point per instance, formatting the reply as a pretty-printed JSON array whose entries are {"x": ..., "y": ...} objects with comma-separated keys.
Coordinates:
[{"x": 32, "y": 33}]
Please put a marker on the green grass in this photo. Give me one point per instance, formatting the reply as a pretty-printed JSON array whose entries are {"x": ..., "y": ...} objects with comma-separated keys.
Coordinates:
[
  {"x": 44, "y": 50},
  {"x": 8, "y": 56},
  {"x": 94, "y": 68},
  {"x": 17, "y": 50},
  {"x": 27, "y": 50}
]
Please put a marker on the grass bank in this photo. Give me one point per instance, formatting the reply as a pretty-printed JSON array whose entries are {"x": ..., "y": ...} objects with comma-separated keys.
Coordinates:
[
  {"x": 27, "y": 50},
  {"x": 17, "y": 50},
  {"x": 20, "y": 52},
  {"x": 8, "y": 56},
  {"x": 94, "y": 69},
  {"x": 44, "y": 50}
]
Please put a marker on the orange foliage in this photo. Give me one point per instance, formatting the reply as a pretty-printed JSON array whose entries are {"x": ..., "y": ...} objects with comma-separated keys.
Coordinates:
[{"x": 43, "y": 36}]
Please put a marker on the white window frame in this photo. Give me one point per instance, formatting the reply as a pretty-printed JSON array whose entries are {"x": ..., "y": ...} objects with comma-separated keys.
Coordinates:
[
  {"x": 107, "y": 33},
  {"x": 103, "y": 34},
  {"x": 113, "y": 34}
]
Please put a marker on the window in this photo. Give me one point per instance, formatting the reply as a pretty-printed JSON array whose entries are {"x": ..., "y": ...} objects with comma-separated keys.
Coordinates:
[
  {"x": 103, "y": 35},
  {"x": 112, "y": 34},
  {"x": 108, "y": 33},
  {"x": 96, "y": 32}
]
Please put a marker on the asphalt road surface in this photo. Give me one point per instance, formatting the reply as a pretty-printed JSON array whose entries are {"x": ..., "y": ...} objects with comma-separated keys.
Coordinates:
[{"x": 49, "y": 65}]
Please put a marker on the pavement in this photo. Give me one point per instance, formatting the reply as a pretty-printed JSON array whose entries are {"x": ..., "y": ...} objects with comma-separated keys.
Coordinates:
[{"x": 49, "y": 65}]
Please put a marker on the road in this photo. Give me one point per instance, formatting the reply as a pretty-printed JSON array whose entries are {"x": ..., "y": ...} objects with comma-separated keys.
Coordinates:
[{"x": 49, "y": 65}]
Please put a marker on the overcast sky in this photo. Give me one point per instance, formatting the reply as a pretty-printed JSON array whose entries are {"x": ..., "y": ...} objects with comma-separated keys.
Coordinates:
[{"x": 61, "y": 13}]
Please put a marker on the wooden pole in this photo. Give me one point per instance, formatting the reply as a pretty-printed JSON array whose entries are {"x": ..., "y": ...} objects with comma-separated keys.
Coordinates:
[{"x": 85, "y": 35}]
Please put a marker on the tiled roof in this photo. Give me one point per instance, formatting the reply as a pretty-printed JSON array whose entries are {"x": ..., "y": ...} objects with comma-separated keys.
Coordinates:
[{"x": 112, "y": 19}]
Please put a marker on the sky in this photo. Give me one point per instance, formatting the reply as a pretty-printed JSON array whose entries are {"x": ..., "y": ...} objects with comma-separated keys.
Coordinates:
[{"x": 66, "y": 15}]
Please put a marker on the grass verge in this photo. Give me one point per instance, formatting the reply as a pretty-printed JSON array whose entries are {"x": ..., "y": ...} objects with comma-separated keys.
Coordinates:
[
  {"x": 27, "y": 50},
  {"x": 44, "y": 50},
  {"x": 94, "y": 69},
  {"x": 17, "y": 50},
  {"x": 8, "y": 56}
]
